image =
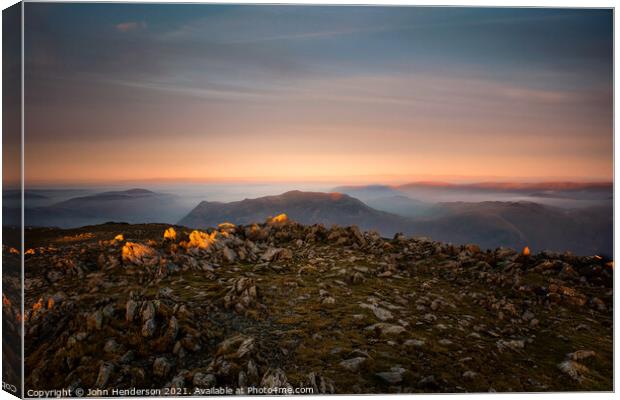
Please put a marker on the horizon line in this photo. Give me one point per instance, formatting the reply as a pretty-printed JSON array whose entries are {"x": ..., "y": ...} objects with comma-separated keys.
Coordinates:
[{"x": 439, "y": 181}]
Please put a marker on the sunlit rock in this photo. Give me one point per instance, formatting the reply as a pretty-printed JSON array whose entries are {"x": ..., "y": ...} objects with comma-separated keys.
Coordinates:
[
  {"x": 278, "y": 219},
  {"x": 226, "y": 227},
  {"x": 139, "y": 254},
  {"x": 574, "y": 369},
  {"x": 170, "y": 234},
  {"x": 201, "y": 240}
]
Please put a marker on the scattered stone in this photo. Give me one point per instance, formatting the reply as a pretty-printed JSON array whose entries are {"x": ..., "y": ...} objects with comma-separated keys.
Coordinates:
[
  {"x": 320, "y": 384},
  {"x": 393, "y": 376},
  {"x": 581, "y": 355},
  {"x": 161, "y": 367},
  {"x": 105, "y": 370},
  {"x": 381, "y": 313},
  {"x": 353, "y": 364},
  {"x": 95, "y": 321},
  {"x": 111, "y": 346},
  {"x": 202, "y": 380},
  {"x": 150, "y": 306},
  {"x": 510, "y": 344},
  {"x": 242, "y": 294},
  {"x": 428, "y": 382},
  {"x": 277, "y": 254},
  {"x": 229, "y": 255},
  {"x": 359, "y": 237},
  {"x": 148, "y": 328},
  {"x": 236, "y": 347},
  {"x": 469, "y": 375},
  {"x": 386, "y": 329},
  {"x": 414, "y": 343},
  {"x": 275, "y": 378},
  {"x": 328, "y": 300},
  {"x": 130, "y": 310},
  {"x": 574, "y": 369},
  {"x": 527, "y": 316}
]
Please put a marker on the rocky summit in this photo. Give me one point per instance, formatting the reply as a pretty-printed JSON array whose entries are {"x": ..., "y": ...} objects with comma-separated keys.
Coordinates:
[{"x": 280, "y": 304}]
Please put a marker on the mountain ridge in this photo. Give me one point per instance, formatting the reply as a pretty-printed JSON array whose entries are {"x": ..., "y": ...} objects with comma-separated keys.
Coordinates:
[
  {"x": 305, "y": 207},
  {"x": 489, "y": 224}
]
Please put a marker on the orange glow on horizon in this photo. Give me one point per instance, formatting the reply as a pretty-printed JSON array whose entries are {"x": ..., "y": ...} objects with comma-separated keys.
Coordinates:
[{"x": 368, "y": 157}]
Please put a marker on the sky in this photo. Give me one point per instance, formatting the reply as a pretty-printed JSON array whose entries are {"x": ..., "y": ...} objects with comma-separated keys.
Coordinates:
[{"x": 139, "y": 92}]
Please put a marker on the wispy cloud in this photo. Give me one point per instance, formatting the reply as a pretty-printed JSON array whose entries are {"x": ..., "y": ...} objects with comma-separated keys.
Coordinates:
[
  {"x": 318, "y": 34},
  {"x": 130, "y": 26}
]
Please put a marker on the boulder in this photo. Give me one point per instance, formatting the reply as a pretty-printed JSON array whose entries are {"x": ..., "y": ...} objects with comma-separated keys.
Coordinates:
[
  {"x": 393, "y": 376},
  {"x": 353, "y": 364},
  {"x": 139, "y": 254},
  {"x": 170, "y": 234}
]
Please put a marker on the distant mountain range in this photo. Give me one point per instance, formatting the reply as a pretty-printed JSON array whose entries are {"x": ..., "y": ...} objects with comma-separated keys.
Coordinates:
[
  {"x": 585, "y": 230},
  {"x": 515, "y": 186},
  {"x": 492, "y": 224},
  {"x": 303, "y": 207},
  {"x": 559, "y": 189},
  {"x": 133, "y": 206},
  {"x": 488, "y": 224}
]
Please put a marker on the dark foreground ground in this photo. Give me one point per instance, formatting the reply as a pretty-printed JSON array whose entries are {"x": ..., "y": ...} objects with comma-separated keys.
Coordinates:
[{"x": 281, "y": 304}]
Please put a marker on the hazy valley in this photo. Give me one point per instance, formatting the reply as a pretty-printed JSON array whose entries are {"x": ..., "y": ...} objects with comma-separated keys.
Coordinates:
[{"x": 553, "y": 216}]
